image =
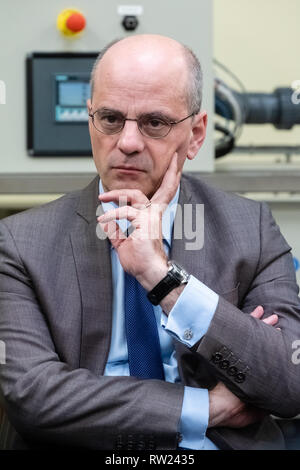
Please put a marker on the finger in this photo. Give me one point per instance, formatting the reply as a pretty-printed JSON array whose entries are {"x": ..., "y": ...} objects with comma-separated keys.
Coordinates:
[
  {"x": 114, "y": 233},
  {"x": 125, "y": 197},
  {"x": 271, "y": 320},
  {"x": 169, "y": 184},
  {"x": 257, "y": 312},
  {"x": 126, "y": 212}
]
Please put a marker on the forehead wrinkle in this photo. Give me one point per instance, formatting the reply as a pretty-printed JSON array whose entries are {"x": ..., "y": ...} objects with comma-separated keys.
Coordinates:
[{"x": 142, "y": 96}]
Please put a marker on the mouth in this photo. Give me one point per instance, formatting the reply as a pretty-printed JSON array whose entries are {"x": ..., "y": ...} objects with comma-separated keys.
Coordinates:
[{"x": 128, "y": 169}]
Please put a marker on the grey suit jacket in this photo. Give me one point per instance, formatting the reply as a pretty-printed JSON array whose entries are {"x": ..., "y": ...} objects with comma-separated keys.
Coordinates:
[{"x": 56, "y": 316}]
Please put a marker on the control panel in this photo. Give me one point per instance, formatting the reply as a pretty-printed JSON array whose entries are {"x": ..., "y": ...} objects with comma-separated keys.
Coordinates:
[{"x": 57, "y": 119}]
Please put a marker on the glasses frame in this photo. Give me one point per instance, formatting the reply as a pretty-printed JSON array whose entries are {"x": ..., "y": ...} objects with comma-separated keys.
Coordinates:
[{"x": 171, "y": 124}]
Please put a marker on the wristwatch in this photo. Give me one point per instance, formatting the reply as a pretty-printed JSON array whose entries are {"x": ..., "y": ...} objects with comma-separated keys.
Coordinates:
[{"x": 175, "y": 277}]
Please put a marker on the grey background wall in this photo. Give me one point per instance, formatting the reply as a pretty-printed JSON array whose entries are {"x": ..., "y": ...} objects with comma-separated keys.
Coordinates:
[{"x": 31, "y": 26}]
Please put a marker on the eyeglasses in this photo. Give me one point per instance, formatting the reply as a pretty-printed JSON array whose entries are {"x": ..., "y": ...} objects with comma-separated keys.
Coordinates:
[{"x": 150, "y": 125}]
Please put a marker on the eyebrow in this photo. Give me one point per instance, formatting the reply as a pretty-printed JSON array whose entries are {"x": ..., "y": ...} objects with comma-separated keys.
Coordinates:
[
  {"x": 109, "y": 110},
  {"x": 159, "y": 115},
  {"x": 153, "y": 114}
]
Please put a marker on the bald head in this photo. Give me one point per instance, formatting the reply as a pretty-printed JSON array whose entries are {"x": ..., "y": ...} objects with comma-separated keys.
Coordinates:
[
  {"x": 155, "y": 55},
  {"x": 144, "y": 110}
]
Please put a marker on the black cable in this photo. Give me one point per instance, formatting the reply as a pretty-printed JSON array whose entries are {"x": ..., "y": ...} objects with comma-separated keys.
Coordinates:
[
  {"x": 226, "y": 145},
  {"x": 231, "y": 74}
]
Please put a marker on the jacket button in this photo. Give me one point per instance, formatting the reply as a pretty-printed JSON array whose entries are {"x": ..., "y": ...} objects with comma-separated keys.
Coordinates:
[
  {"x": 240, "y": 377},
  {"x": 217, "y": 357},
  {"x": 232, "y": 371},
  {"x": 224, "y": 364}
]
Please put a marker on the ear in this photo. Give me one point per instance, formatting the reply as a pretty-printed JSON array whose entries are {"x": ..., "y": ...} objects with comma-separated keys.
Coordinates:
[{"x": 198, "y": 133}]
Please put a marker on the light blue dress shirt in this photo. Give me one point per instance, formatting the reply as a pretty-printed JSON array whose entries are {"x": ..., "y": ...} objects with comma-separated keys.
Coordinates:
[{"x": 195, "y": 298}]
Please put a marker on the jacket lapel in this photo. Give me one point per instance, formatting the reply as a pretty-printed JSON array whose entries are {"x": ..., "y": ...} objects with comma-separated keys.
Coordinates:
[
  {"x": 191, "y": 260},
  {"x": 93, "y": 265},
  {"x": 194, "y": 262}
]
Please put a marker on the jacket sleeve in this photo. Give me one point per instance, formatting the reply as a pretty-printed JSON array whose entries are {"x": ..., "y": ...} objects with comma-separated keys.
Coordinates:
[
  {"x": 50, "y": 403},
  {"x": 254, "y": 360}
]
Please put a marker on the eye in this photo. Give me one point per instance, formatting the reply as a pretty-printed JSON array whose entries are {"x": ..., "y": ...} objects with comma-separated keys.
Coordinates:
[
  {"x": 111, "y": 118},
  {"x": 154, "y": 122},
  {"x": 108, "y": 120}
]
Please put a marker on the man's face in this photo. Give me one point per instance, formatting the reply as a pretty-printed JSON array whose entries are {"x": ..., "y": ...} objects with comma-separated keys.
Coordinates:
[{"x": 129, "y": 159}]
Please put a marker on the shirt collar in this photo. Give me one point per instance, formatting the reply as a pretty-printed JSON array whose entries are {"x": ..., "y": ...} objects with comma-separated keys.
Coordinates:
[{"x": 167, "y": 218}]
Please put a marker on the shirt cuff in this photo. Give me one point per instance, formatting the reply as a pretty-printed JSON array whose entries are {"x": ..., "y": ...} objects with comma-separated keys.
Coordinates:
[
  {"x": 192, "y": 313},
  {"x": 194, "y": 418}
]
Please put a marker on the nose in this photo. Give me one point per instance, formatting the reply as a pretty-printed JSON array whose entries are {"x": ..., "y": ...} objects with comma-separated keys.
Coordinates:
[{"x": 131, "y": 140}]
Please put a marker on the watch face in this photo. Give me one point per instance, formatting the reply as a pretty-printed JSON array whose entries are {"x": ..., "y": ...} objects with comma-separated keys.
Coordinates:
[
  {"x": 176, "y": 270},
  {"x": 179, "y": 273}
]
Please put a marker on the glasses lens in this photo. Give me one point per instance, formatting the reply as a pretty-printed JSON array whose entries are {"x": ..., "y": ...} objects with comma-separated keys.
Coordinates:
[
  {"x": 108, "y": 123},
  {"x": 153, "y": 127}
]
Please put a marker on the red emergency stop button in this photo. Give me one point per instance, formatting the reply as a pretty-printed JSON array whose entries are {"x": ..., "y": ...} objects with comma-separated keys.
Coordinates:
[
  {"x": 76, "y": 22},
  {"x": 71, "y": 22}
]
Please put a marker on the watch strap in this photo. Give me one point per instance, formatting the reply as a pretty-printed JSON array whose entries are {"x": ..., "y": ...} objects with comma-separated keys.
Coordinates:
[{"x": 165, "y": 286}]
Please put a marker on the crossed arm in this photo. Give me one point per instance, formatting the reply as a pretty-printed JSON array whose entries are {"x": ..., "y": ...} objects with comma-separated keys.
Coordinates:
[{"x": 145, "y": 259}]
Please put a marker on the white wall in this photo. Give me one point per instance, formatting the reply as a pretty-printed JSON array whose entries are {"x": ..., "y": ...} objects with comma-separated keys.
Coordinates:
[{"x": 260, "y": 41}]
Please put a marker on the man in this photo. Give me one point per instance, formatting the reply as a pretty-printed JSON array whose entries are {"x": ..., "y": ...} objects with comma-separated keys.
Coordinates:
[{"x": 76, "y": 373}]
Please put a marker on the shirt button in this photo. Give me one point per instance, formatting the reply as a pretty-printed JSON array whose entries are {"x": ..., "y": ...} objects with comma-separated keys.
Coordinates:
[{"x": 188, "y": 334}]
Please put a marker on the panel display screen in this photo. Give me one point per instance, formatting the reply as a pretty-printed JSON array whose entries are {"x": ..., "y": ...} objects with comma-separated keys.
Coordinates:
[{"x": 71, "y": 94}]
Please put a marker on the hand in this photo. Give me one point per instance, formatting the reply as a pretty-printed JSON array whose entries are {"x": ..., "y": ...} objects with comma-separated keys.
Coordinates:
[
  {"x": 141, "y": 254},
  {"x": 271, "y": 320},
  {"x": 225, "y": 408}
]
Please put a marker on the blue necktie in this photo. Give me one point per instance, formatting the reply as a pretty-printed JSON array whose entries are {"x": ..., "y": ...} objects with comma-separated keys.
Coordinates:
[{"x": 144, "y": 354}]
